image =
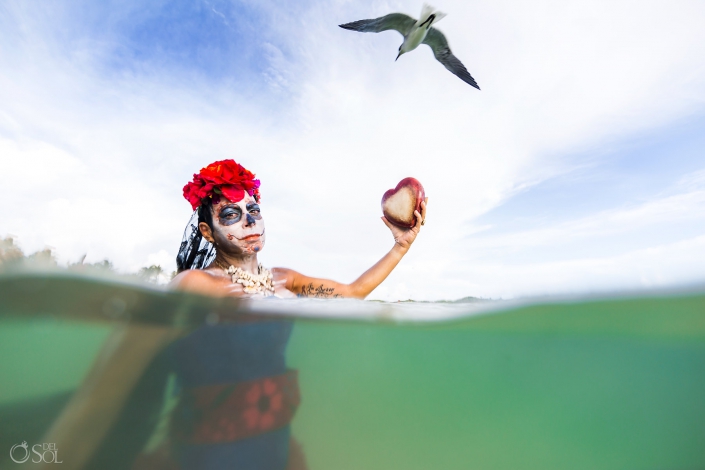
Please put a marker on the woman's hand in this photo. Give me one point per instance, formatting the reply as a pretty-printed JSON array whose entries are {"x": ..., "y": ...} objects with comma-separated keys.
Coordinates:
[
  {"x": 404, "y": 237},
  {"x": 235, "y": 289},
  {"x": 280, "y": 281},
  {"x": 211, "y": 282}
]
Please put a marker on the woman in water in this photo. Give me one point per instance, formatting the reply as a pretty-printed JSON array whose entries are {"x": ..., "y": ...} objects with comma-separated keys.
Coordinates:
[
  {"x": 229, "y": 233},
  {"x": 238, "y": 397}
]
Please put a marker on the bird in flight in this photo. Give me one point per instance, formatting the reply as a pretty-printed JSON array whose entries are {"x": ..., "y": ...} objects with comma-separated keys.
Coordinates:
[{"x": 417, "y": 32}]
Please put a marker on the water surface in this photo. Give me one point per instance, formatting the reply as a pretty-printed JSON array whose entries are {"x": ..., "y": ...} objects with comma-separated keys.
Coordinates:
[{"x": 589, "y": 383}]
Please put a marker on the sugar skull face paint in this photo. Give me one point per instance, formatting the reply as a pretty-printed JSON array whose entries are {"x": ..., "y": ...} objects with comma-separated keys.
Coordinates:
[{"x": 238, "y": 228}]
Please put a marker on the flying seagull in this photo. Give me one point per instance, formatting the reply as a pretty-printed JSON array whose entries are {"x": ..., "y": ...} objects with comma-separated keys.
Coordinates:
[{"x": 417, "y": 32}]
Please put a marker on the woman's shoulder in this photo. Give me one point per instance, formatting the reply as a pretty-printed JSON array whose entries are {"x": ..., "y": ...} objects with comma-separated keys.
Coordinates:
[{"x": 199, "y": 281}]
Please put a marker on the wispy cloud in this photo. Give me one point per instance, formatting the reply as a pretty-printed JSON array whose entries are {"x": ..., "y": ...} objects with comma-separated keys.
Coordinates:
[
  {"x": 662, "y": 265},
  {"x": 688, "y": 206}
]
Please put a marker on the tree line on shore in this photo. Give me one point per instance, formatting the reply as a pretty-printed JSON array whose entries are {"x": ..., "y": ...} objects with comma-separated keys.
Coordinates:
[{"x": 11, "y": 256}]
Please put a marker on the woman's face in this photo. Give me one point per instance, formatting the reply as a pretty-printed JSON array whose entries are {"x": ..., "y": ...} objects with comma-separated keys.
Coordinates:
[{"x": 238, "y": 227}]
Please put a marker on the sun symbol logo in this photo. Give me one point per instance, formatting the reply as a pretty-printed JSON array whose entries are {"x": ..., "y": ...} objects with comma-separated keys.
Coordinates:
[{"x": 26, "y": 452}]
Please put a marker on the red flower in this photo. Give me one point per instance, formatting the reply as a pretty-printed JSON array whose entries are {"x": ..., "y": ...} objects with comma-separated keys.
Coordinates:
[
  {"x": 263, "y": 401},
  {"x": 226, "y": 178}
]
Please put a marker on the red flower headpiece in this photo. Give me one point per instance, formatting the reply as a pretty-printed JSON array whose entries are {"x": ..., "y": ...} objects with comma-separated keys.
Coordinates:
[{"x": 224, "y": 178}]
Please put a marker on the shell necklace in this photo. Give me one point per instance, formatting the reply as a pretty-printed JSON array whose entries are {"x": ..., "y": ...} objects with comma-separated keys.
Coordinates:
[{"x": 260, "y": 283}]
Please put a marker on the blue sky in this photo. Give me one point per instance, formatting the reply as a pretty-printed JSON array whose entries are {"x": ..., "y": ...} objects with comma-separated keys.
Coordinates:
[
  {"x": 626, "y": 170},
  {"x": 213, "y": 40},
  {"x": 578, "y": 167},
  {"x": 619, "y": 174}
]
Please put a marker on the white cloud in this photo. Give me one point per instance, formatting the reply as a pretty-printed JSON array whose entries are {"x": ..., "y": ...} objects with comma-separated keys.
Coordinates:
[
  {"x": 601, "y": 251},
  {"x": 31, "y": 163},
  {"x": 686, "y": 206},
  {"x": 557, "y": 78},
  {"x": 668, "y": 265}
]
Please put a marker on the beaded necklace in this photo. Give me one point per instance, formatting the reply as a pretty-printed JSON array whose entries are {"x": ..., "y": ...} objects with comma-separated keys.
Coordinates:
[{"x": 260, "y": 283}]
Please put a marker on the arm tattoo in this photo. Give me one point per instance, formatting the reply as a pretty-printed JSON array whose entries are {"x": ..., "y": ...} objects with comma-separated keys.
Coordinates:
[{"x": 319, "y": 292}]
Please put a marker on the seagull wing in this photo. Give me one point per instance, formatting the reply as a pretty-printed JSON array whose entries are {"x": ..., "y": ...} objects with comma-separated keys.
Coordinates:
[
  {"x": 438, "y": 43},
  {"x": 396, "y": 21}
]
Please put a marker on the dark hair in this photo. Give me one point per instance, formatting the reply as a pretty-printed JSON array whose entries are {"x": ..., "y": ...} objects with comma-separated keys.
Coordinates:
[
  {"x": 195, "y": 251},
  {"x": 205, "y": 212}
]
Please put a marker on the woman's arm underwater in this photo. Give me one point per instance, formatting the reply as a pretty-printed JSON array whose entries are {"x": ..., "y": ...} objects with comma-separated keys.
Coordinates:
[
  {"x": 95, "y": 406},
  {"x": 305, "y": 286}
]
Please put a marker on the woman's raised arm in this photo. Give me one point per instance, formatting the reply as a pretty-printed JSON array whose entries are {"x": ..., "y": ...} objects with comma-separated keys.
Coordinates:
[{"x": 305, "y": 286}]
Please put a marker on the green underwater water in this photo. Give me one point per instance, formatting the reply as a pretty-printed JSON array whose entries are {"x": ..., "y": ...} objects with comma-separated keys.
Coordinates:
[{"x": 613, "y": 383}]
